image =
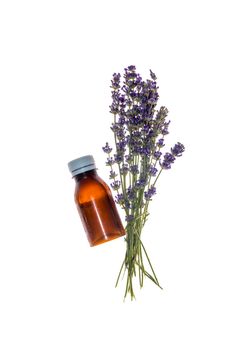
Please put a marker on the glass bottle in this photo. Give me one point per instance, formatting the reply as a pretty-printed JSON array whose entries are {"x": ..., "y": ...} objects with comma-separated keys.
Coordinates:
[{"x": 94, "y": 202}]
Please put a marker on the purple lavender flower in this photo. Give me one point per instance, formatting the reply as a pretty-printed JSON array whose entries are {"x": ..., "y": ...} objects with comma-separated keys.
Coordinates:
[
  {"x": 151, "y": 134},
  {"x": 141, "y": 183},
  {"x": 146, "y": 128},
  {"x": 107, "y": 148},
  {"x": 129, "y": 218},
  {"x": 178, "y": 149},
  {"x": 130, "y": 75},
  {"x": 127, "y": 204},
  {"x": 134, "y": 169},
  {"x": 121, "y": 146},
  {"x": 120, "y": 198},
  {"x": 164, "y": 130},
  {"x": 124, "y": 169},
  {"x": 146, "y": 150},
  {"x": 132, "y": 85},
  {"x": 152, "y": 170},
  {"x": 122, "y": 201},
  {"x": 132, "y": 68},
  {"x": 116, "y": 81},
  {"x": 150, "y": 193},
  {"x": 116, "y": 105},
  {"x": 138, "y": 81},
  {"x": 167, "y": 161},
  {"x": 118, "y": 158},
  {"x": 133, "y": 94},
  {"x": 131, "y": 195},
  {"x": 115, "y": 127},
  {"x": 160, "y": 143},
  {"x": 115, "y": 185},
  {"x": 136, "y": 149},
  {"x": 122, "y": 99},
  {"x": 157, "y": 155},
  {"x": 136, "y": 134},
  {"x": 121, "y": 122},
  {"x": 112, "y": 174},
  {"x": 152, "y": 101},
  {"x": 114, "y": 108},
  {"x": 129, "y": 158},
  {"x": 161, "y": 114},
  {"x": 110, "y": 161}
]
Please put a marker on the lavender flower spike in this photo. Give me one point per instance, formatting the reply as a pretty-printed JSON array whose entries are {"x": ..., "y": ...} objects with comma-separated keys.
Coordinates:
[
  {"x": 178, "y": 149},
  {"x": 115, "y": 185},
  {"x": 157, "y": 155},
  {"x": 150, "y": 193},
  {"x": 116, "y": 81},
  {"x": 152, "y": 170},
  {"x": 167, "y": 161}
]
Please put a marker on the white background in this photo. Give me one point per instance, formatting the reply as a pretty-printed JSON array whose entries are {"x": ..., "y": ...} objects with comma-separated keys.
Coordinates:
[{"x": 57, "y": 58}]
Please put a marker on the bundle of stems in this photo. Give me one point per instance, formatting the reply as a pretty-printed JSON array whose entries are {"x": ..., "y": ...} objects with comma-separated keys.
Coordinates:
[{"x": 133, "y": 263}]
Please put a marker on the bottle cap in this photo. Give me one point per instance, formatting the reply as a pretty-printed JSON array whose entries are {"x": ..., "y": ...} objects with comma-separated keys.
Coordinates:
[{"x": 82, "y": 164}]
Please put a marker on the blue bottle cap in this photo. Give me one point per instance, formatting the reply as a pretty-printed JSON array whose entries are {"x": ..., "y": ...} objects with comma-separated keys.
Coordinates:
[{"x": 82, "y": 164}]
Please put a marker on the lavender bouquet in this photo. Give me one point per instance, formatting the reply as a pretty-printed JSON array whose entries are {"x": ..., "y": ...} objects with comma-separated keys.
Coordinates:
[{"x": 137, "y": 163}]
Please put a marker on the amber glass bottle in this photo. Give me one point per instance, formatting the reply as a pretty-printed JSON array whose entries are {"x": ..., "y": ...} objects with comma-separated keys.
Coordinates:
[{"x": 94, "y": 201}]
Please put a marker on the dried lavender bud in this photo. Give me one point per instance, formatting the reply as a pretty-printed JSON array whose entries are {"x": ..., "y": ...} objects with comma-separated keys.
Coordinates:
[
  {"x": 115, "y": 127},
  {"x": 152, "y": 170},
  {"x": 118, "y": 158},
  {"x": 114, "y": 109},
  {"x": 121, "y": 122},
  {"x": 141, "y": 183},
  {"x": 129, "y": 218},
  {"x": 164, "y": 130},
  {"x": 124, "y": 169},
  {"x": 110, "y": 161},
  {"x": 160, "y": 143},
  {"x": 120, "y": 198},
  {"x": 127, "y": 204},
  {"x": 167, "y": 161},
  {"x": 106, "y": 148},
  {"x": 157, "y": 155},
  {"x": 131, "y": 195},
  {"x": 161, "y": 114},
  {"x": 178, "y": 149},
  {"x": 146, "y": 151},
  {"x": 134, "y": 169},
  {"x": 112, "y": 175},
  {"x": 150, "y": 193},
  {"x": 146, "y": 128},
  {"x": 121, "y": 146},
  {"x": 115, "y": 185},
  {"x": 129, "y": 158},
  {"x": 132, "y": 68},
  {"x": 116, "y": 81}
]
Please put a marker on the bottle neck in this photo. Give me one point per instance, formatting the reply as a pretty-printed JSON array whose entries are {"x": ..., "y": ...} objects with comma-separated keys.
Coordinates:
[{"x": 85, "y": 174}]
